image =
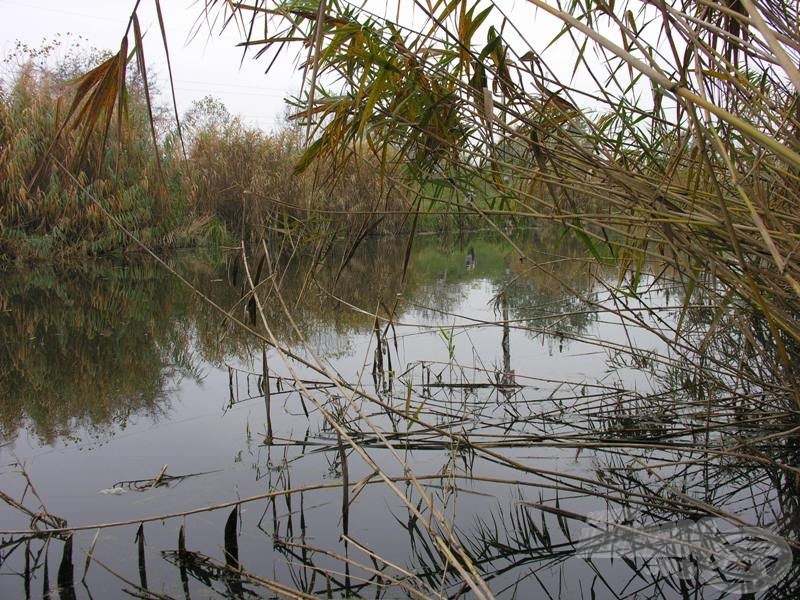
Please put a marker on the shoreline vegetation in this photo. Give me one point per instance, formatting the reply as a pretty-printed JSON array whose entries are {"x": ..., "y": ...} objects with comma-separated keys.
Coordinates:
[
  {"x": 235, "y": 182},
  {"x": 666, "y": 144}
]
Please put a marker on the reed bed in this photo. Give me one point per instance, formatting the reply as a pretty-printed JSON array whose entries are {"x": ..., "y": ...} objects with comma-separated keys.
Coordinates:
[
  {"x": 42, "y": 213},
  {"x": 678, "y": 170},
  {"x": 248, "y": 179}
]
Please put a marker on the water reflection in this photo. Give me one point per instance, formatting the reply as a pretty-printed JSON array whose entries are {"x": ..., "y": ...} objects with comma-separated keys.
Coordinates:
[
  {"x": 89, "y": 346},
  {"x": 448, "y": 450},
  {"x": 96, "y": 344}
]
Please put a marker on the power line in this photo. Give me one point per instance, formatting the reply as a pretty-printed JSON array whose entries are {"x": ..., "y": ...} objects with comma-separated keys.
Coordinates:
[
  {"x": 236, "y": 85},
  {"x": 223, "y": 90}
]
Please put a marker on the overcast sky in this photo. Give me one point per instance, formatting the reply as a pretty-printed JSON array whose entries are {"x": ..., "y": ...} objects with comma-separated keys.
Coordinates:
[{"x": 207, "y": 65}]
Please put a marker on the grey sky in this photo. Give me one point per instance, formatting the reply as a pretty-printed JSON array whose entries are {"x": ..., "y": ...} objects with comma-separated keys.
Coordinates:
[{"x": 207, "y": 65}]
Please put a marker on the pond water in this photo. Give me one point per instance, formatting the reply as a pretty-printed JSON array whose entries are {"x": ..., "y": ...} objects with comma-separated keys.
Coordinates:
[{"x": 470, "y": 425}]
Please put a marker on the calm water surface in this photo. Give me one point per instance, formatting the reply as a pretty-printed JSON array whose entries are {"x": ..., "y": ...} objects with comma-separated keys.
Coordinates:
[{"x": 124, "y": 398}]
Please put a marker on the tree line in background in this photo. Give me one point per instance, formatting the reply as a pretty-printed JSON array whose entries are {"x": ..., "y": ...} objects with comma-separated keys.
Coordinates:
[{"x": 234, "y": 180}]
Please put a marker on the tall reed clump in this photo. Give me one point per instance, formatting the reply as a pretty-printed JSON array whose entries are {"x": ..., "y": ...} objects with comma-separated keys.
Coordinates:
[{"x": 43, "y": 212}]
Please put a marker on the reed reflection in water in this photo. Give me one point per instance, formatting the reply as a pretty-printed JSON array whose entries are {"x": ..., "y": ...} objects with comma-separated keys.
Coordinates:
[{"x": 471, "y": 432}]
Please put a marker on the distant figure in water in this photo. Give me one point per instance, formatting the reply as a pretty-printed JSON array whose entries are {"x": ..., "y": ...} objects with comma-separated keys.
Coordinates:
[
  {"x": 470, "y": 259},
  {"x": 508, "y": 379}
]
